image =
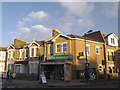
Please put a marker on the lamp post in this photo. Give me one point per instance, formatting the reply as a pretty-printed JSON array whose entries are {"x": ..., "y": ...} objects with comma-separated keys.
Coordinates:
[
  {"x": 39, "y": 69},
  {"x": 86, "y": 63}
]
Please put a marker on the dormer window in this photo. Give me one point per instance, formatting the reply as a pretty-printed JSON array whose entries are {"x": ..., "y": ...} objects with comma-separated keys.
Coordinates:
[
  {"x": 11, "y": 54},
  {"x": 34, "y": 51},
  {"x": 112, "y": 41}
]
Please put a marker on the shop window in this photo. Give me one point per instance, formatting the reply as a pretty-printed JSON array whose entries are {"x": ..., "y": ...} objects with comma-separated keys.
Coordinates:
[{"x": 17, "y": 68}]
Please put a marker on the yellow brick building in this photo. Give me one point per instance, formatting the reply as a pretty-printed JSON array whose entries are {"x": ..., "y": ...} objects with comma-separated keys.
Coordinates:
[{"x": 63, "y": 56}]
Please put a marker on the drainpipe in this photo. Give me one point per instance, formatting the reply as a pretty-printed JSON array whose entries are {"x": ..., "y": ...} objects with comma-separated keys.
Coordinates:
[{"x": 105, "y": 61}]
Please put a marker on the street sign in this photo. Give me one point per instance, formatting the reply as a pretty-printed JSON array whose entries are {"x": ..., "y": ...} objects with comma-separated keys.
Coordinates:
[
  {"x": 84, "y": 59},
  {"x": 43, "y": 78}
]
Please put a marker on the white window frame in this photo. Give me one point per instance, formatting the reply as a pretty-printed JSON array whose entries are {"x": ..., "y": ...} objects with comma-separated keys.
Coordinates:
[
  {"x": 3, "y": 65},
  {"x": 100, "y": 68},
  {"x": 87, "y": 45},
  {"x": 34, "y": 51},
  {"x": 62, "y": 46},
  {"x": 56, "y": 47},
  {"x": 2, "y": 54},
  {"x": 98, "y": 50},
  {"x": 21, "y": 53},
  {"x": 12, "y": 53}
]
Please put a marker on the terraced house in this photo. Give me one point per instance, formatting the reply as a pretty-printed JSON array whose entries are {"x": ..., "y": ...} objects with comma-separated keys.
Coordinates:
[
  {"x": 64, "y": 56},
  {"x": 2, "y": 59}
]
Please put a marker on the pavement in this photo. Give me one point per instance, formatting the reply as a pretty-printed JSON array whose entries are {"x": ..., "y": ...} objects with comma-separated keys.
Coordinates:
[{"x": 61, "y": 84}]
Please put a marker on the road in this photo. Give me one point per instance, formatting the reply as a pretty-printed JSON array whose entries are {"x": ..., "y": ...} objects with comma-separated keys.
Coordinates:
[{"x": 56, "y": 84}]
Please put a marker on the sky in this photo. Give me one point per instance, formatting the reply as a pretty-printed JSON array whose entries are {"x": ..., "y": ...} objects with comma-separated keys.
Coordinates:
[{"x": 36, "y": 20}]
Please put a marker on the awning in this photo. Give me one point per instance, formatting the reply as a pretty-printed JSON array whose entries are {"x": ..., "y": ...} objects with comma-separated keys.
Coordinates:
[{"x": 20, "y": 62}]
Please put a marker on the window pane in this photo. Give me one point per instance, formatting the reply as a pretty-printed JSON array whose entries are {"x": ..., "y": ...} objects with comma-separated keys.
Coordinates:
[
  {"x": 64, "y": 47},
  {"x": 58, "y": 48},
  {"x": 51, "y": 49},
  {"x": 26, "y": 52},
  {"x": 32, "y": 52},
  {"x": 37, "y": 51}
]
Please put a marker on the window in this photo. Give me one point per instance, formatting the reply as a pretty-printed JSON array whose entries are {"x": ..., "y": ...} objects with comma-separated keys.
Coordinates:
[
  {"x": 31, "y": 68},
  {"x": 3, "y": 56},
  {"x": 81, "y": 54},
  {"x": 21, "y": 53},
  {"x": 113, "y": 56},
  {"x": 97, "y": 50},
  {"x": 114, "y": 70},
  {"x": 34, "y": 68},
  {"x": 58, "y": 48},
  {"x": 100, "y": 68},
  {"x": 32, "y": 52},
  {"x": 37, "y": 51},
  {"x": 119, "y": 54},
  {"x": 1, "y": 68},
  {"x": 110, "y": 69},
  {"x": 26, "y": 52},
  {"x": 9, "y": 54},
  {"x": 112, "y": 41},
  {"x": 17, "y": 68},
  {"x": 65, "y": 47},
  {"x": 108, "y": 55},
  {"x": 88, "y": 49},
  {"x": 51, "y": 49}
]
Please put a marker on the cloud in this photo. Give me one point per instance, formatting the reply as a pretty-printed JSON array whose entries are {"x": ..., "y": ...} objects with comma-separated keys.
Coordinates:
[
  {"x": 36, "y": 17},
  {"x": 80, "y": 9},
  {"x": 77, "y": 16}
]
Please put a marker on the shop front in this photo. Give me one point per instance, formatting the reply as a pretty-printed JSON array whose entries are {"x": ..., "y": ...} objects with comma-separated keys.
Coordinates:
[{"x": 58, "y": 67}]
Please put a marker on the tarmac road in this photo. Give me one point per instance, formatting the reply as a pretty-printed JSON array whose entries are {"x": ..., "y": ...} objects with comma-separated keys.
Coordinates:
[{"x": 58, "y": 84}]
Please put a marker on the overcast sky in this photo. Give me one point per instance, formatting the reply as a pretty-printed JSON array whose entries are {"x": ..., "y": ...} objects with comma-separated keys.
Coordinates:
[{"x": 36, "y": 20}]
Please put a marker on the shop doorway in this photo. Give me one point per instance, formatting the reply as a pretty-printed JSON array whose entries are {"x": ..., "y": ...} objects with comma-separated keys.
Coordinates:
[{"x": 53, "y": 71}]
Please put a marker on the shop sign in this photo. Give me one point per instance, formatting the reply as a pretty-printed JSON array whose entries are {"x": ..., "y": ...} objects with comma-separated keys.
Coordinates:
[
  {"x": 60, "y": 57},
  {"x": 43, "y": 78}
]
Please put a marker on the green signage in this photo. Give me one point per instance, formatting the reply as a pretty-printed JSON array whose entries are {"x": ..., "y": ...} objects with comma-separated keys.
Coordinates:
[{"x": 60, "y": 57}]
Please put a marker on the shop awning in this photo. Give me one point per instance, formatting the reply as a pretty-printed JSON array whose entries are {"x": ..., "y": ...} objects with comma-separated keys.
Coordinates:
[{"x": 21, "y": 62}]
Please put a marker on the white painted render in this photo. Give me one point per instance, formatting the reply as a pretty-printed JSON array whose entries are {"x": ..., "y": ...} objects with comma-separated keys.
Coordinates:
[{"x": 109, "y": 40}]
